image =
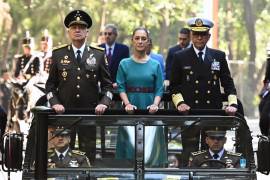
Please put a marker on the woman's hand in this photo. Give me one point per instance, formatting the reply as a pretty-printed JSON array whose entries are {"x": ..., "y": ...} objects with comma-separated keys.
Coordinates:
[
  {"x": 152, "y": 108},
  {"x": 130, "y": 108}
]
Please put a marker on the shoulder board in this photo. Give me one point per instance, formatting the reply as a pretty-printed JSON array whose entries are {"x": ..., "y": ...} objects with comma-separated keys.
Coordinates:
[
  {"x": 198, "y": 153},
  {"x": 78, "y": 152},
  {"x": 234, "y": 154},
  {"x": 60, "y": 46},
  {"x": 96, "y": 47},
  {"x": 51, "y": 153}
]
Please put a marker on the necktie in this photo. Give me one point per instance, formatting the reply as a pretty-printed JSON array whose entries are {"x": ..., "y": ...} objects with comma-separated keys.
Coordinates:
[
  {"x": 215, "y": 156},
  {"x": 79, "y": 58},
  {"x": 61, "y": 157},
  {"x": 200, "y": 57},
  {"x": 109, "y": 56}
]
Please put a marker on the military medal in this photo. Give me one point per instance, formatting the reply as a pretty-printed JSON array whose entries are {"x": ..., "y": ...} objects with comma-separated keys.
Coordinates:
[
  {"x": 64, "y": 74},
  {"x": 91, "y": 60},
  {"x": 215, "y": 65}
]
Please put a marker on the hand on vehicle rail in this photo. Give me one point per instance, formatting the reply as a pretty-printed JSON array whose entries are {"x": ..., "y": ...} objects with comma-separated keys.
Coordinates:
[
  {"x": 100, "y": 109},
  {"x": 130, "y": 108},
  {"x": 183, "y": 108},
  {"x": 152, "y": 108},
  {"x": 230, "y": 110},
  {"x": 59, "y": 108}
]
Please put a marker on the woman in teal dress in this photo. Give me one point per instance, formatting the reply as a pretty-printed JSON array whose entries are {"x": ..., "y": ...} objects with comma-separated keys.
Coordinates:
[{"x": 140, "y": 84}]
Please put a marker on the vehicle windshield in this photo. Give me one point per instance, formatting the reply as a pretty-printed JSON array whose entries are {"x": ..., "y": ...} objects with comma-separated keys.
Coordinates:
[{"x": 160, "y": 146}]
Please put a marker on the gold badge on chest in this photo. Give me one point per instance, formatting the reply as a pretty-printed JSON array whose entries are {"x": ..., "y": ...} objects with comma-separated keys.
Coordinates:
[{"x": 91, "y": 60}]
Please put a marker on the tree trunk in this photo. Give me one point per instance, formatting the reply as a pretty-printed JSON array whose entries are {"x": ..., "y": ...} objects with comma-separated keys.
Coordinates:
[
  {"x": 250, "y": 25},
  {"x": 164, "y": 30}
]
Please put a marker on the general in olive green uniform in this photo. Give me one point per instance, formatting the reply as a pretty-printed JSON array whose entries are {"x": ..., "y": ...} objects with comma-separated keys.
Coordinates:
[
  {"x": 215, "y": 156},
  {"x": 62, "y": 156},
  {"x": 73, "y": 158},
  {"x": 205, "y": 159},
  {"x": 73, "y": 80}
]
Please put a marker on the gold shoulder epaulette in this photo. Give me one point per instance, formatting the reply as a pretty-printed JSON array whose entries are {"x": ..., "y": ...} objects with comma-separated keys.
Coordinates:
[
  {"x": 78, "y": 152},
  {"x": 234, "y": 154},
  {"x": 51, "y": 153},
  {"x": 198, "y": 153},
  {"x": 96, "y": 47},
  {"x": 60, "y": 46}
]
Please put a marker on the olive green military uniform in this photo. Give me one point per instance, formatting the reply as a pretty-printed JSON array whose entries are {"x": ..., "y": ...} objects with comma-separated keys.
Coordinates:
[
  {"x": 201, "y": 159},
  {"x": 75, "y": 85},
  {"x": 73, "y": 158}
]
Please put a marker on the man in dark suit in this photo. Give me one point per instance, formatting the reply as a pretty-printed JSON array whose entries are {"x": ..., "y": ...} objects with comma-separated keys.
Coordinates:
[
  {"x": 183, "y": 42},
  {"x": 209, "y": 158},
  {"x": 196, "y": 76},
  {"x": 62, "y": 156},
  {"x": 264, "y": 106},
  {"x": 74, "y": 77},
  {"x": 115, "y": 52}
]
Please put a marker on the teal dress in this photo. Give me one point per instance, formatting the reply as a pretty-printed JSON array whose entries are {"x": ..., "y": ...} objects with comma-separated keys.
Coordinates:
[{"x": 141, "y": 82}]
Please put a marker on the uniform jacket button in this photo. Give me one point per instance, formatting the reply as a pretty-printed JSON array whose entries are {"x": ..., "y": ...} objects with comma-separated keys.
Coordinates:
[
  {"x": 197, "y": 82},
  {"x": 196, "y": 92},
  {"x": 196, "y": 101},
  {"x": 77, "y": 96},
  {"x": 208, "y": 102},
  {"x": 78, "y": 86},
  {"x": 78, "y": 77}
]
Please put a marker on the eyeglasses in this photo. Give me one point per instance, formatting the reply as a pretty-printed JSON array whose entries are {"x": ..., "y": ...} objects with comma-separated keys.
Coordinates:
[
  {"x": 108, "y": 33},
  {"x": 218, "y": 138}
]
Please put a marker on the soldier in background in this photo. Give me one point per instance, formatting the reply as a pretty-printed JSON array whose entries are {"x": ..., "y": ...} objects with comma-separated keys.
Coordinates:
[
  {"x": 27, "y": 64},
  {"x": 62, "y": 156},
  {"x": 215, "y": 140},
  {"x": 46, "y": 54}
]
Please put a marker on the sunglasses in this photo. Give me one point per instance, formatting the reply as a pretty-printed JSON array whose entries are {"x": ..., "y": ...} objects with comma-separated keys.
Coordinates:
[
  {"x": 218, "y": 138},
  {"x": 108, "y": 33}
]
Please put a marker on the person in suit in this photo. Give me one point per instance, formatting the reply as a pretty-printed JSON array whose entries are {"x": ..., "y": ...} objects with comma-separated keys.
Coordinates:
[
  {"x": 264, "y": 106},
  {"x": 156, "y": 56},
  {"x": 215, "y": 140},
  {"x": 62, "y": 155},
  {"x": 74, "y": 77},
  {"x": 197, "y": 74},
  {"x": 183, "y": 42},
  {"x": 115, "y": 51}
]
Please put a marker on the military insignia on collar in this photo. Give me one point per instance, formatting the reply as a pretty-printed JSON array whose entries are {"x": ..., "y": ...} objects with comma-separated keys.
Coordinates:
[
  {"x": 73, "y": 163},
  {"x": 215, "y": 65},
  {"x": 198, "y": 22},
  {"x": 91, "y": 60},
  {"x": 66, "y": 57}
]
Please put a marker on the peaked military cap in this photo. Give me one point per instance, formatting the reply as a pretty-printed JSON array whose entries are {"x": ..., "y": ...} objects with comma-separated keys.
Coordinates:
[
  {"x": 78, "y": 17},
  {"x": 61, "y": 132},
  {"x": 217, "y": 132},
  {"x": 200, "y": 24}
]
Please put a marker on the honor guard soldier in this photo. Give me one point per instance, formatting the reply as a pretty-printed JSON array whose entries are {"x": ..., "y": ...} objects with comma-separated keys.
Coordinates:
[
  {"x": 216, "y": 156},
  {"x": 74, "y": 77},
  {"x": 46, "y": 51},
  {"x": 28, "y": 64},
  {"x": 197, "y": 74},
  {"x": 62, "y": 156}
]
